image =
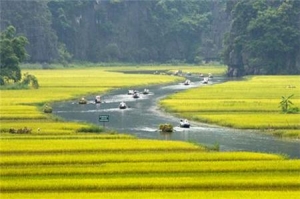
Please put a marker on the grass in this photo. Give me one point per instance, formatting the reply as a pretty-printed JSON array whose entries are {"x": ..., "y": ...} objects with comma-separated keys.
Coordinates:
[{"x": 252, "y": 103}]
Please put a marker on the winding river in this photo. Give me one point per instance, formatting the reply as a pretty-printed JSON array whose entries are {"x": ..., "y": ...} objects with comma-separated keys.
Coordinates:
[{"x": 143, "y": 118}]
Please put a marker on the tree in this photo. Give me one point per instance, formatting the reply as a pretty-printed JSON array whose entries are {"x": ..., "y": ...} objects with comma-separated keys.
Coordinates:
[
  {"x": 264, "y": 37},
  {"x": 12, "y": 53}
]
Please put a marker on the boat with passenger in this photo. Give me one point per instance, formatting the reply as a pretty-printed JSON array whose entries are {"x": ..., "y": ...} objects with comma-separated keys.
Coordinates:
[
  {"x": 97, "y": 99},
  {"x": 122, "y": 105},
  {"x": 184, "y": 123}
]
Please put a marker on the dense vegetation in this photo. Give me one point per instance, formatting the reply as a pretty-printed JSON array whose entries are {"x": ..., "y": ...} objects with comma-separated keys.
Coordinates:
[
  {"x": 12, "y": 53},
  {"x": 263, "y": 37},
  {"x": 124, "y": 31}
]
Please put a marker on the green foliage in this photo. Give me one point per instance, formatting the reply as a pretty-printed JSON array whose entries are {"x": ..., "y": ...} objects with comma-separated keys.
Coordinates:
[
  {"x": 167, "y": 128},
  {"x": 47, "y": 108},
  {"x": 33, "y": 20},
  {"x": 264, "y": 37},
  {"x": 30, "y": 79},
  {"x": 90, "y": 129},
  {"x": 286, "y": 105},
  {"x": 64, "y": 56},
  {"x": 12, "y": 53}
]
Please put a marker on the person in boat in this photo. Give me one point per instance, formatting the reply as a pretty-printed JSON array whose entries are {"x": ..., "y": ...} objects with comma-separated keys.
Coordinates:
[
  {"x": 146, "y": 91},
  {"x": 97, "y": 99},
  {"x": 130, "y": 92},
  {"x": 136, "y": 95},
  {"x": 122, "y": 105},
  {"x": 184, "y": 123},
  {"x": 187, "y": 82}
]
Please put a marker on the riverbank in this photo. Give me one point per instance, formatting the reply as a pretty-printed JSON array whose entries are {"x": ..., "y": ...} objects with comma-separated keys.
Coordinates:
[{"x": 251, "y": 103}]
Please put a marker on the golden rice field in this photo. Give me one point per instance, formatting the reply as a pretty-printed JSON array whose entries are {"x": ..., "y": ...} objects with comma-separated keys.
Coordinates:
[
  {"x": 23, "y": 108},
  {"x": 112, "y": 166},
  {"x": 252, "y": 103},
  {"x": 55, "y": 161}
]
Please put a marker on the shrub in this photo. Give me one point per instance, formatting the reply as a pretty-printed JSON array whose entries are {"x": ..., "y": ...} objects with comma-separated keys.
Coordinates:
[
  {"x": 90, "y": 129},
  {"x": 166, "y": 128},
  {"x": 47, "y": 109},
  {"x": 293, "y": 110}
]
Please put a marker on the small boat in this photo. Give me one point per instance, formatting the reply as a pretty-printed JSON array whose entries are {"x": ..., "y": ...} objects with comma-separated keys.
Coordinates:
[
  {"x": 184, "y": 123},
  {"x": 187, "y": 82},
  {"x": 97, "y": 99},
  {"x": 210, "y": 75},
  {"x": 146, "y": 91},
  {"x": 130, "y": 92},
  {"x": 82, "y": 101},
  {"x": 122, "y": 105},
  {"x": 136, "y": 95},
  {"x": 205, "y": 80}
]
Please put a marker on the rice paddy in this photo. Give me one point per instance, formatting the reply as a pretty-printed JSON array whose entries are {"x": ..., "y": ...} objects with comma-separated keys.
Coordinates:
[
  {"x": 23, "y": 108},
  {"x": 57, "y": 161},
  {"x": 252, "y": 103},
  {"x": 91, "y": 166}
]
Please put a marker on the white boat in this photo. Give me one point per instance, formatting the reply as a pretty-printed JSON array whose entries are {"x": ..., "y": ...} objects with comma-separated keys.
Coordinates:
[
  {"x": 136, "y": 95},
  {"x": 97, "y": 99},
  {"x": 146, "y": 91},
  {"x": 187, "y": 82},
  {"x": 184, "y": 123},
  {"x": 130, "y": 92},
  {"x": 122, "y": 105},
  {"x": 205, "y": 80}
]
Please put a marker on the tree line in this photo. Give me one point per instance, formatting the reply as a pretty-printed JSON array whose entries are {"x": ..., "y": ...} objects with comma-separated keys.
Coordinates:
[{"x": 250, "y": 36}]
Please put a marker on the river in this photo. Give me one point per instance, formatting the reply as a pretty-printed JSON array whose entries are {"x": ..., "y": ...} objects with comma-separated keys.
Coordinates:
[{"x": 143, "y": 118}]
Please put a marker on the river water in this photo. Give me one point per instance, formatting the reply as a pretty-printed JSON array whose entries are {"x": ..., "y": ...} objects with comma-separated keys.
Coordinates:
[{"x": 143, "y": 118}]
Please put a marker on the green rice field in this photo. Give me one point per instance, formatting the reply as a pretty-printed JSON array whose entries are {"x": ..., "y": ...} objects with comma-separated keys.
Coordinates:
[
  {"x": 113, "y": 166},
  {"x": 251, "y": 103}
]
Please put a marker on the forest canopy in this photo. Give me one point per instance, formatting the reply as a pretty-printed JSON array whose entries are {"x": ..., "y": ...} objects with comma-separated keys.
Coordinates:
[
  {"x": 250, "y": 36},
  {"x": 264, "y": 37}
]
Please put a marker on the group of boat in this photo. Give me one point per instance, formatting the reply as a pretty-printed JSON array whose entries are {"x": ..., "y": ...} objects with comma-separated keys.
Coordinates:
[{"x": 136, "y": 94}]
